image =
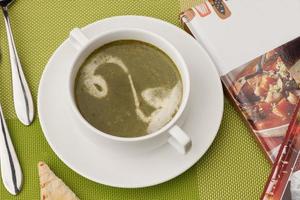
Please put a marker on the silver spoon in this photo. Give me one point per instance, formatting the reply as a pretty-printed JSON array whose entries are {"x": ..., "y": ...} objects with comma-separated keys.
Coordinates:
[
  {"x": 21, "y": 93},
  {"x": 11, "y": 172}
]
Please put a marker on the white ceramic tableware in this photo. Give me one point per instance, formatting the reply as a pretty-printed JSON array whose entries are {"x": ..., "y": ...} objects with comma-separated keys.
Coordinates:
[
  {"x": 171, "y": 132},
  {"x": 113, "y": 168}
]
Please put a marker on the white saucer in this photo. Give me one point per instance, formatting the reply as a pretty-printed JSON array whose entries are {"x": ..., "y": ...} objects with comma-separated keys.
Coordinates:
[{"x": 141, "y": 170}]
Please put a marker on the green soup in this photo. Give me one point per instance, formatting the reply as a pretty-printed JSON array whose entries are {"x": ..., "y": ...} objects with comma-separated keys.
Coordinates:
[{"x": 128, "y": 88}]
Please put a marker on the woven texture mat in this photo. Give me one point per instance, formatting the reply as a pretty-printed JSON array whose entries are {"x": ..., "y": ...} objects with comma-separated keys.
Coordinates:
[{"x": 233, "y": 168}]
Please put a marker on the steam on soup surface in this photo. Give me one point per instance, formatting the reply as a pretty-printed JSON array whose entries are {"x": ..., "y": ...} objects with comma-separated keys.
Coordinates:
[{"x": 128, "y": 88}]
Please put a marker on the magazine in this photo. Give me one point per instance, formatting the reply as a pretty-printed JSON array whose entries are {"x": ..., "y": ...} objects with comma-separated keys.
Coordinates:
[{"x": 255, "y": 46}]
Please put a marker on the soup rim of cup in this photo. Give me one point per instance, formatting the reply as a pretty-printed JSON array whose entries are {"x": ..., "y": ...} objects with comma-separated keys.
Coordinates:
[{"x": 182, "y": 68}]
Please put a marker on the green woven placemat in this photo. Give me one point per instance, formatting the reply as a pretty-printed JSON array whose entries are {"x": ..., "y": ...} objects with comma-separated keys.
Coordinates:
[{"x": 233, "y": 168}]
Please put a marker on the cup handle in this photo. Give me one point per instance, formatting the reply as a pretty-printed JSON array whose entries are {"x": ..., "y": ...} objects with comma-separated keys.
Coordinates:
[
  {"x": 78, "y": 38},
  {"x": 179, "y": 140}
]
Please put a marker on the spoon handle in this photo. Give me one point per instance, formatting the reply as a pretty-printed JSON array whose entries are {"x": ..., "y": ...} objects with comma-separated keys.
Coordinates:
[
  {"x": 10, "y": 167},
  {"x": 21, "y": 93}
]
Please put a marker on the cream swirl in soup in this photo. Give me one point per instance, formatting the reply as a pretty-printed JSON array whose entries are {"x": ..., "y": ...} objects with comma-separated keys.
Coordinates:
[{"x": 128, "y": 89}]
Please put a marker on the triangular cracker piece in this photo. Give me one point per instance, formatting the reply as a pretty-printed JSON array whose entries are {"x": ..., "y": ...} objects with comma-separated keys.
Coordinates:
[{"x": 53, "y": 188}]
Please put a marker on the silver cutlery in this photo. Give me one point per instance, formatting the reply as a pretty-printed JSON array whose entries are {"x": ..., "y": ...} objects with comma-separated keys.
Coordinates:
[
  {"x": 11, "y": 172},
  {"x": 21, "y": 93}
]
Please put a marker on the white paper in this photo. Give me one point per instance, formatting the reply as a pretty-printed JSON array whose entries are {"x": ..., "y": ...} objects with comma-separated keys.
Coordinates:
[{"x": 254, "y": 27}]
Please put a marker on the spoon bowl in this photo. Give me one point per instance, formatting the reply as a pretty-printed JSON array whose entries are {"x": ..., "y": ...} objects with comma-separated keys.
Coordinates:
[{"x": 22, "y": 97}]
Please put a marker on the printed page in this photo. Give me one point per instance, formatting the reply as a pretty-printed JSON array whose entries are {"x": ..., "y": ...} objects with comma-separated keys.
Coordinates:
[{"x": 255, "y": 46}]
